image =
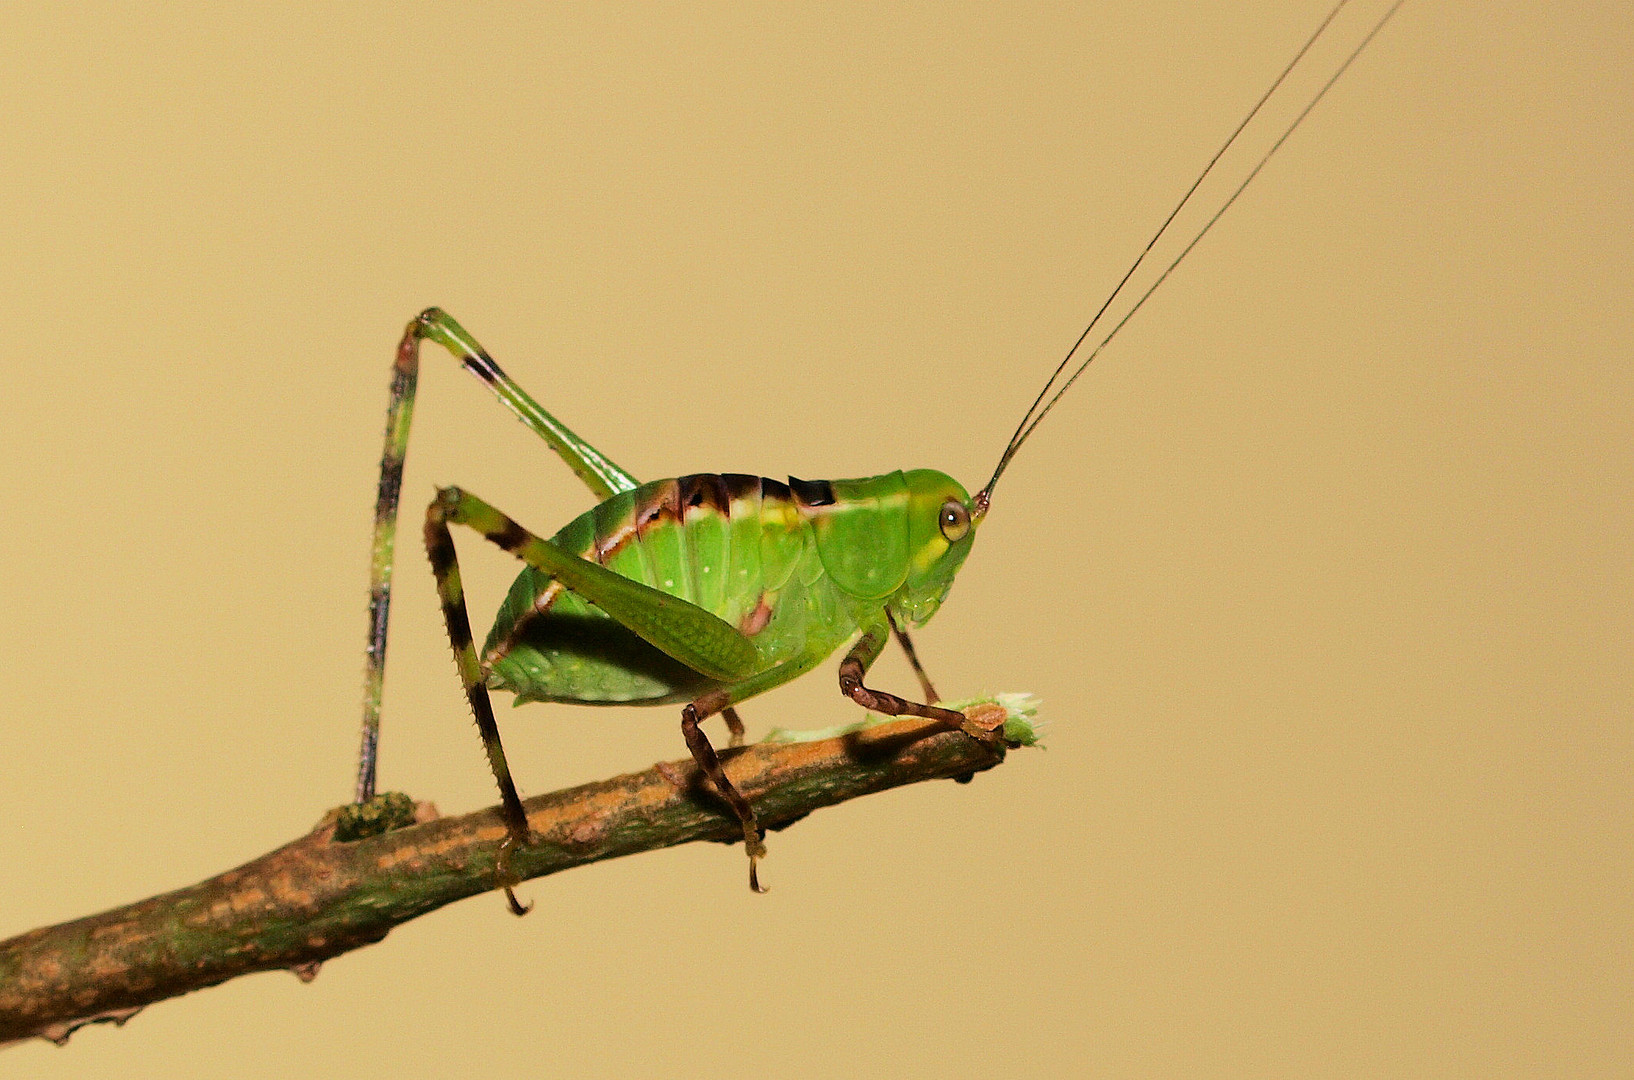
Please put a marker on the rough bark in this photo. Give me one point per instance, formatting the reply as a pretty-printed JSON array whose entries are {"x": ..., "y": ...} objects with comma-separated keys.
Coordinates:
[{"x": 316, "y": 898}]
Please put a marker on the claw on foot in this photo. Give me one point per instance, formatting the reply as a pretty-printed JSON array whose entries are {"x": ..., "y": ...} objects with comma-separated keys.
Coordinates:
[
  {"x": 754, "y": 877},
  {"x": 507, "y": 878},
  {"x": 757, "y": 851}
]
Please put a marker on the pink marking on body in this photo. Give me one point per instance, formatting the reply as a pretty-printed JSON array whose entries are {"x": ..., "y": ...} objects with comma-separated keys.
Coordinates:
[{"x": 755, "y": 621}]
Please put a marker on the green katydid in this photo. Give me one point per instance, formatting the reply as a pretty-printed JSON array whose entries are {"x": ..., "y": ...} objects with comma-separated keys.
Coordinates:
[{"x": 705, "y": 590}]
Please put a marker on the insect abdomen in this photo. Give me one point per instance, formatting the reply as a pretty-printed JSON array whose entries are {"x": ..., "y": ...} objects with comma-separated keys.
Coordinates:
[{"x": 733, "y": 544}]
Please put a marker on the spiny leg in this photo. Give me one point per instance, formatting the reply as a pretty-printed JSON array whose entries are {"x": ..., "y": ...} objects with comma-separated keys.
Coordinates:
[
  {"x": 445, "y": 565},
  {"x": 931, "y": 696},
  {"x": 602, "y": 476},
  {"x": 855, "y": 666},
  {"x": 399, "y": 411}
]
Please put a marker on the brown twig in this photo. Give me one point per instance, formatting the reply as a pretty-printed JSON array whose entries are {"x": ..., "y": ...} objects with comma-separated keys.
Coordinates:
[{"x": 315, "y": 898}]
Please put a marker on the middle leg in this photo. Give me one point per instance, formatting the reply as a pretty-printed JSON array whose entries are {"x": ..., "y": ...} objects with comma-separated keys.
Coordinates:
[
  {"x": 721, "y": 701},
  {"x": 704, "y": 754}
]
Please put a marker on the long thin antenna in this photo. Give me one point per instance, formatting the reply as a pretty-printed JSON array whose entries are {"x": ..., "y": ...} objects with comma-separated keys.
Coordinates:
[{"x": 1030, "y": 421}]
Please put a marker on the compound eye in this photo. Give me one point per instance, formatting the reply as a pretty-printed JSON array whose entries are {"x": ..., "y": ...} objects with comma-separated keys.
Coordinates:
[{"x": 955, "y": 520}]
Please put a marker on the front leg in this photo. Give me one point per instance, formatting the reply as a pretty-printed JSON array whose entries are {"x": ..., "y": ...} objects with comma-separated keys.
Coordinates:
[
  {"x": 855, "y": 666},
  {"x": 902, "y": 638}
]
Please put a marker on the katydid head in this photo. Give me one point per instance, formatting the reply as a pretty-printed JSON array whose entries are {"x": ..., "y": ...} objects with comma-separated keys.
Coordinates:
[
  {"x": 942, "y": 523},
  {"x": 898, "y": 538}
]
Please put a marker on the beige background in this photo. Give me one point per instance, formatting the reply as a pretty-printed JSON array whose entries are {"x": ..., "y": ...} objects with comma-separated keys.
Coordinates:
[{"x": 1323, "y": 573}]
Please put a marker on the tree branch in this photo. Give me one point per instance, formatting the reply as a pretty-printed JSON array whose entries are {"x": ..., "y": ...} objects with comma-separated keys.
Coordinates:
[{"x": 315, "y": 898}]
